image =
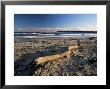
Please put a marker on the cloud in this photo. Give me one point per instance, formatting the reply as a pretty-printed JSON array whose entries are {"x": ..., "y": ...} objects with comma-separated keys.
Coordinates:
[
  {"x": 82, "y": 28},
  {"x": 89, "y": 25},
  {"x": 88, "y": 28},
  {"x": 19, "y": 29}
]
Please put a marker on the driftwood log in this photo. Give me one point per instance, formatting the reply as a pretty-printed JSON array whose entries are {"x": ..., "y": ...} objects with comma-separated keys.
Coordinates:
[{"x": 67, "y": 54}]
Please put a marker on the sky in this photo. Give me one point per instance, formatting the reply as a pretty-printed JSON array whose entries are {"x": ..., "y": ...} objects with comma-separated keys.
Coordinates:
[{"x": 42, "y": 22}]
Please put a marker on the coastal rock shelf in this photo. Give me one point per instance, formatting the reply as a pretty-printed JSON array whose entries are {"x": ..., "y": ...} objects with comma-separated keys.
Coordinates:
[{"x": 83, "y": 62}]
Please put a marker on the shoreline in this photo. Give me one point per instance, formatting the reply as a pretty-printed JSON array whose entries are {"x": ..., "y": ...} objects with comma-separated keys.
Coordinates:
[{"x": 55, "y": 37}]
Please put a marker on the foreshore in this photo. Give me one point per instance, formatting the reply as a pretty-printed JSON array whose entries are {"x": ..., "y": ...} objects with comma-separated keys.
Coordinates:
[{"x": 83, "y": 62}]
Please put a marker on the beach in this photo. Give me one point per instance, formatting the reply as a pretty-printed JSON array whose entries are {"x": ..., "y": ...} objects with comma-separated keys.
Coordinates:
[{"x": 81, "y": 62}]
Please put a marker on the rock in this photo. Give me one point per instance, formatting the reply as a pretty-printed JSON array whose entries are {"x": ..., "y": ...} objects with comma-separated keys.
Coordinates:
[{"x": 81, "y": 62}]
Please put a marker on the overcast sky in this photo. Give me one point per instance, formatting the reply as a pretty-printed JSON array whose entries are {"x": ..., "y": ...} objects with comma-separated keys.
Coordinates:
[{"x": 54, "y": 22}]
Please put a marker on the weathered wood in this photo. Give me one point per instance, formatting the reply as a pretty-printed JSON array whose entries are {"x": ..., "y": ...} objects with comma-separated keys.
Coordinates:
[{"x": 67, "y": 54}]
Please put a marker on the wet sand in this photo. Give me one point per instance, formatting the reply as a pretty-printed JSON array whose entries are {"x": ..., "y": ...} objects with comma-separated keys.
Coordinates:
[{"x": 82, "y": 63}]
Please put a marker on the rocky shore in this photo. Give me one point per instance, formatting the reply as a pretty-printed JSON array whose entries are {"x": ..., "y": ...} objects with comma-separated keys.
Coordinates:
[{"x": 83, "y": 62}]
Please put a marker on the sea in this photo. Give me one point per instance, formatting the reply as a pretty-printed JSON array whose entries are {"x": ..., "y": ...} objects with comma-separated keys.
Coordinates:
[{"x": 53, "y": 34}]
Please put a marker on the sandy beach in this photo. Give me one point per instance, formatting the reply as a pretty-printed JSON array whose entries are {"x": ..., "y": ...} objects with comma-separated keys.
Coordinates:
[{"x": 82, "y": 62}]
